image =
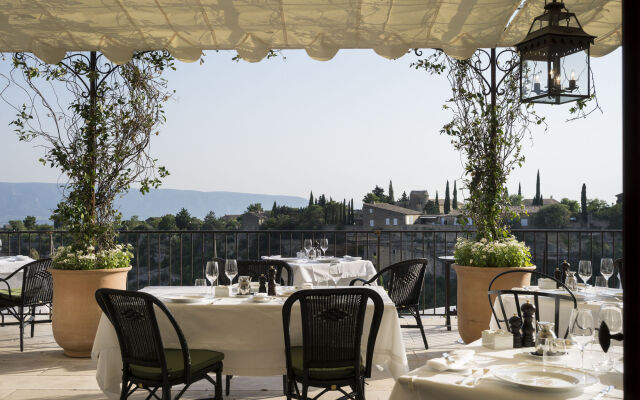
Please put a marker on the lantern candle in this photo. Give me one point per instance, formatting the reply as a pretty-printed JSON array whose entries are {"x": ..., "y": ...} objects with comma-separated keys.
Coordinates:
[
  {"x": 536, "y": 84},
  {"x": 572, "y": 81}
]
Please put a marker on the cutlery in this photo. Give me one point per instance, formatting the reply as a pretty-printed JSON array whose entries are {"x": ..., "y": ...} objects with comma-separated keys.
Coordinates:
[
  {"x": 482, "y": 374},
  {"x": 448, "y": 357},
  {"x": 602, "y": 392},
  {"x": 469, "y": 378}
]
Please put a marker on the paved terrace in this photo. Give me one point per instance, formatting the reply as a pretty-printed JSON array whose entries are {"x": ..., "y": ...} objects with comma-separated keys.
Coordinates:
[{"x": 43, "y": 372}]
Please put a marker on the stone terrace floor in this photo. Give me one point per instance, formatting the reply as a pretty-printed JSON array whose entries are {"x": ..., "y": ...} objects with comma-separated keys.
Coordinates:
[{"x": 43, "y": 372}]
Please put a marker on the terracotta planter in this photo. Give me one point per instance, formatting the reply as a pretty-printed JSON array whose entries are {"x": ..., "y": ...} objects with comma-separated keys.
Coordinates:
[
  {"x": 75, "y": 312},
  {"x": 474, "y": 310}
]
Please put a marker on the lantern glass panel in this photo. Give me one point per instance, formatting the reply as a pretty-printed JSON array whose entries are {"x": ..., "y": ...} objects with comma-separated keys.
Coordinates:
[{"x": 560, "y": 81}]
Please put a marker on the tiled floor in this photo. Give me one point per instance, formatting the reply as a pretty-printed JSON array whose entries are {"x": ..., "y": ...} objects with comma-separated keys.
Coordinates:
[{"x": 43, "y": 372}]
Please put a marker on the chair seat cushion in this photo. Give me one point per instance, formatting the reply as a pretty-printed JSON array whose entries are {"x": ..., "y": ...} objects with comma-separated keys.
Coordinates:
[
  {"x": 15, "y": 294},
  {"x": 319, "y": 373},
  {"x": 200, "y": 359}
]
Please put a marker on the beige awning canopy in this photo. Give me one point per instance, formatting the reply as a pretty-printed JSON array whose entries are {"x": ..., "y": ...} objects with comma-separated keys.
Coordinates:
[{"x": 117, "y": 28}]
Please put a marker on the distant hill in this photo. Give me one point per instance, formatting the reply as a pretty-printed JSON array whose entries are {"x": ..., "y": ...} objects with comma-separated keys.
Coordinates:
[{"x": 18, "y": 200}]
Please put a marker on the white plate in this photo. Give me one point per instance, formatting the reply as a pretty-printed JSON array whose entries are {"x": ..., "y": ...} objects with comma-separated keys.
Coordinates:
[
  {"x": 186, "y": 299},
  {"x": 545, "y": 378},
  {"x": 289, "y": 259},
  {"x": 349, "y": 258},
  {"x": 265, "y": 299},
  {"x": 21, "y": 258}
]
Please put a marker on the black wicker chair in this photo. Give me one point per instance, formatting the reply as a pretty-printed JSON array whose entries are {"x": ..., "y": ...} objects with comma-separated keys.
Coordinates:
[
  {"x": 557, "y": 297},
  {"x": 21, "y": 303},
  {"x": 403, "y": 281},
  {"x": 147, "y": 364},
  {"x": 332, "y": 330},
  {"x": 255, "y": 268}
]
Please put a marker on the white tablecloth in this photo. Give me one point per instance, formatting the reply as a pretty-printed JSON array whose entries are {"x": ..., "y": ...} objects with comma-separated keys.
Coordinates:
[
  {"x": 426, "y": 383},
  {"x": 547, "y": 308},
  {"x": 250, "y": 335},
  {"x": 7, "y": 266},
  {"x": 318, "y": 273}
]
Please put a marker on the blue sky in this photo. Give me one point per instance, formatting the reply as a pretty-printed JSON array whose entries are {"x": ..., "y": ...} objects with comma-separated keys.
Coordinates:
[{"x": 340, "y": 127}]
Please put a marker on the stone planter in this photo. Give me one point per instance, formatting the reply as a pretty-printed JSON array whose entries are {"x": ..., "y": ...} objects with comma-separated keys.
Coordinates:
[
  {"x": 474, "y": 310},
  {"x": 75, "y": 312}
]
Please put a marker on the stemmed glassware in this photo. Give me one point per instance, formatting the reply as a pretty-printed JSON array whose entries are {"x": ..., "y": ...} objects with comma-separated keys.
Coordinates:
[
  {"x": 581, "y": 329},
  {"x": 308, "y": 246},
  {"x": 336, "y": 272},
  {"x": 231, "y": 270},
  {"x": 585, "y": 271},
  {"x": 324, "y": 245},
  {"x": 211, "y": 272},
  {"x": 610, "y": 314},
  {"x": 606, "y": 268}
]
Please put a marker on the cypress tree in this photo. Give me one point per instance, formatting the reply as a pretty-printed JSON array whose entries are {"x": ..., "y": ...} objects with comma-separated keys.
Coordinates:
[
  {"x": 437, "y": 203},
  {"x": 537, "y": 201},
  {"x": 344, "y": 211},
  {"x": 311, "y": 199},
  {"x": 583, "y": 202},
  {"x": 352, "y": 216},
  {"x": 455, "y": 196},
  {"x": 392, "y": 199},
  {"x": 519, "y": 190},
  {"x": 274, "y": 209},
  {"x": 447, "y": 200},
  {"x": 541, "y": 201}
]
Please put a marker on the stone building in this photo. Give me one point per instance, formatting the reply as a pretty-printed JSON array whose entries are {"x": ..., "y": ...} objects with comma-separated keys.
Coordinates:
[{"x": 383, "y": 215}]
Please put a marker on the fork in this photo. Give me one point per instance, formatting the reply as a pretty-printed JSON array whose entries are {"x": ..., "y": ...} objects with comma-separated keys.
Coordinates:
[{"x": 602, "y": 392}]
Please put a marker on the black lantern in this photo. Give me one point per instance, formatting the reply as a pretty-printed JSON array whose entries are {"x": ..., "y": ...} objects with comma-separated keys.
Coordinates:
[{"x": 554, "y": 58}]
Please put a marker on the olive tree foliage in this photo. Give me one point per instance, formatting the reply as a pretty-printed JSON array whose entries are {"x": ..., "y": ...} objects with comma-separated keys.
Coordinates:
[
  {"x": 489, "y": 139},
  {"x": 94, "y": 122}
]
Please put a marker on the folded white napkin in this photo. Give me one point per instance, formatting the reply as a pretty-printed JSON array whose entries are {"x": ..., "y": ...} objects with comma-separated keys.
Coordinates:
[
  {"x": 271, "y": 257},
  {"x": 439, "y": 364}
]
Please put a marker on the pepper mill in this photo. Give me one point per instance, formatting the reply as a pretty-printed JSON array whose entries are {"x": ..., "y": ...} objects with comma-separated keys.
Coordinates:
[
  {"x": 528, "y": 330},
  {"x": 515, "y": 323},
  {"x": 558, "y": 275},
  {"x": 263, "y": 284},
  {"x": 272, "y": 281},
  {"x": 565, "y": 268}
]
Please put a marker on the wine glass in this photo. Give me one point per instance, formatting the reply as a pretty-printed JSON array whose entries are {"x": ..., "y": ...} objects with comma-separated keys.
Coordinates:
[
  {"x": 606, "y": 268},
  {"x": 336, "y": 272},
  {"x": 610, "y": 314},
  {"x": 308, "y": 246},
  {"x": 231, "y": 269},
  {"x": 585, "y": 271},
  {"x": 212, "y": 273},
  {"x": 324, "y": 245},
  {"x": 581, "y": 329}
]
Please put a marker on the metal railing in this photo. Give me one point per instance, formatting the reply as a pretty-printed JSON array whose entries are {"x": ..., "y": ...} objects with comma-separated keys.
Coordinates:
[{"x": 179, "y": 257}]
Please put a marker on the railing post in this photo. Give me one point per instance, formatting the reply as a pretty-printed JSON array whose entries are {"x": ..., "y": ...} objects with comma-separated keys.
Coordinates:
[{"x": 378, "y": 256}]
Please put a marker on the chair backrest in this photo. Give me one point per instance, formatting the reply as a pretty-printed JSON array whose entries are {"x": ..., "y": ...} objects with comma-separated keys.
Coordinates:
[
  {"x": 404, "y": 281},
  {"x": 332, "y": 327},
  {"x": 134, "y": 320},
  {"x": 255, "y": 268},
  {"x": 37, "y": 285},
  {"x": 557, "y": 298},
  {"x": 619, "y": 263}
]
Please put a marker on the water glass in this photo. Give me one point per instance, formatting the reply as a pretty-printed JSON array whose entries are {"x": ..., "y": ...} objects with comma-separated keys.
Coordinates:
[
  {"x": 606, "y": 268},
  {"x": 611, "y": 315},
  {"x": 585, "y": 271},
  {"x": 231, "y": 270},
  {"x": 600, "y": 284},
  {"x": 201, "y": 284}
]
